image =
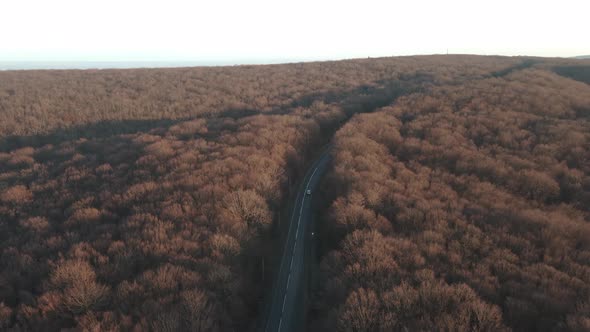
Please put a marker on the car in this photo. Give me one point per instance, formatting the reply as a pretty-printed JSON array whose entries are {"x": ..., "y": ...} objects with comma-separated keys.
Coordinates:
[{"x": 308, "y": 192}]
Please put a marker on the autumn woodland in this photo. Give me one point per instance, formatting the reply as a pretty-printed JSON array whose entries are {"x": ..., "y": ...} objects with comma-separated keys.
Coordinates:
[{"x": 457, "y": 198}]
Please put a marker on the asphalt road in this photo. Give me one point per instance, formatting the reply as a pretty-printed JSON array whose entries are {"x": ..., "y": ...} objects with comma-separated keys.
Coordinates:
[{"x": 286, "y": 313}]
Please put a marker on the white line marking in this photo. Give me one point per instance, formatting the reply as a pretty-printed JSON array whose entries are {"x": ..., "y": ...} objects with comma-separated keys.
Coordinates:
[
  {"x": 294, "y": 244},
  {"x": 286, "y": 246},
  {"x": 311, "y": 177},
  {"x": 284, "y": 300},
  {"x": 303, "y": 203}
]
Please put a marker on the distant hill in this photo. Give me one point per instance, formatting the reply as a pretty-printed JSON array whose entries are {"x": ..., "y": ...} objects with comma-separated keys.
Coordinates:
[{"x": 582, "y": 57}]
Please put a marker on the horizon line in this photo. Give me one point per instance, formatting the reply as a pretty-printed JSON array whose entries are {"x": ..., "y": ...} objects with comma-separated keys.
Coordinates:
[{"x": 173, "y": 63}]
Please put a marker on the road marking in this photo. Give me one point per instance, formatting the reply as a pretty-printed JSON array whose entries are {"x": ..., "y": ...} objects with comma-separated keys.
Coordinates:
[
  {"x": 294, "y": 244},
  {"x": 285, "y": 250},
  {"x": 303, "y": 201},
  {"x": 292, "y": 258},
  {"x": 311, "y": 177},
  {"x": 284, "y": 300}
]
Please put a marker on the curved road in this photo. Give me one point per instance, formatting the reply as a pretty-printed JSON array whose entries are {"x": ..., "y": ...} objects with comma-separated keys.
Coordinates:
[{"x": 289, "y": 288}]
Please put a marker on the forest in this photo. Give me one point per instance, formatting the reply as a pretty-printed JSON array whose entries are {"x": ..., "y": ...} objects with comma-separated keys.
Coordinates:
[
  {"x": 465, "y": 208},
  {"x": 150, "y": 199}
]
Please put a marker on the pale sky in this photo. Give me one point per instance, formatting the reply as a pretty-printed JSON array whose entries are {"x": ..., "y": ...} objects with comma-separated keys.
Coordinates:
[{"x": 224, "y": 30}]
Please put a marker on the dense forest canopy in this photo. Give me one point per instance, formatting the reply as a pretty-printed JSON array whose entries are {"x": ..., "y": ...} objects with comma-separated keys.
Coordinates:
[
  {"x": 34, "y": 102},
  {"x": 463, "y": 208},
  {"x": 149, "y": 199}
]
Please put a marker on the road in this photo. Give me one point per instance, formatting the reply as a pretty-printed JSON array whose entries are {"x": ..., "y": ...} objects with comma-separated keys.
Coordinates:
[{"x": 286, "y": 313}]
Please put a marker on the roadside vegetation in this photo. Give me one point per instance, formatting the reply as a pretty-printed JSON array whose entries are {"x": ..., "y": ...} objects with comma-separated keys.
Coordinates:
[{"x": 465, "y": 208}]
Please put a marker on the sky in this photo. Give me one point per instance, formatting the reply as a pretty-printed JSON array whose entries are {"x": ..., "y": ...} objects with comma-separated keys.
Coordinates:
[{"x": 274, "y": 30}]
